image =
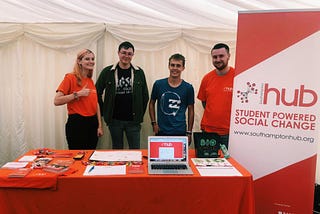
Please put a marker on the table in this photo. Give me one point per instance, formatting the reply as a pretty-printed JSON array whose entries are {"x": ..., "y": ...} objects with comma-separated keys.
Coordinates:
[{"x": 132, "y": 193}]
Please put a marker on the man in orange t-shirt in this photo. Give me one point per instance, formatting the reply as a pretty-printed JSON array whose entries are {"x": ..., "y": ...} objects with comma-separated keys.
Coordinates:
[{"x": 215, "y": 94}]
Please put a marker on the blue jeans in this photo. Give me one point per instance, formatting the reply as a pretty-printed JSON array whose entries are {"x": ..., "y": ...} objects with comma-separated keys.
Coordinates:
[{"x": 132, "y": 131}]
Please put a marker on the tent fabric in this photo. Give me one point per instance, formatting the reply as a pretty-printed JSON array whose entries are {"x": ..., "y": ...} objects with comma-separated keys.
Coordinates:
[
  {"x": 39, "y": 41},
  {"x": 219, "y": 14},
  {"x": 36, "y": 56}
]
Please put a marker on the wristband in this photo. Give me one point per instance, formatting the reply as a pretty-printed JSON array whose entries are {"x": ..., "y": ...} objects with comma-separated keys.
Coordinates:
[
  {"x": 75, "y": 94},
  {"x": 153, "y": 123},
  {"x": 189, "y": 132}
]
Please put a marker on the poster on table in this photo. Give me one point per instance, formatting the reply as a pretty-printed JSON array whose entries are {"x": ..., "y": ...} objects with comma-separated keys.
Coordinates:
[{"x": 275, "y": 112}]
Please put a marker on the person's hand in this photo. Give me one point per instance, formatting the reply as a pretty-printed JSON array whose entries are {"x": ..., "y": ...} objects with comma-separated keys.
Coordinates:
[
  {"x": 189, "y": 140},
  {"x": 84, "y": 92},
  {"x": 100, "y": 131},
  {"x": 155, "y": 128}
]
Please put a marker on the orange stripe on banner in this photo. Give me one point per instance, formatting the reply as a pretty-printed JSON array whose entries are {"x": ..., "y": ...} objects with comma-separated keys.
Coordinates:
[
  {"x": 287, "y": 190},
  {"x": 263, "y": 35}
]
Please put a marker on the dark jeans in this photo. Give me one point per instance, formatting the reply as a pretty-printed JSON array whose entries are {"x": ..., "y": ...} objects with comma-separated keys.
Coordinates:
[
  {"x": 132, "y": 131},
  {"x": 225, "y": 140},
  {"x": 164, "y": 134},
  {"x": 81, "y": 132}
]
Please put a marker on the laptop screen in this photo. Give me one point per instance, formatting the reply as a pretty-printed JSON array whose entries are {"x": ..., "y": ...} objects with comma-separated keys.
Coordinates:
[{"x": 168, "y": 148}]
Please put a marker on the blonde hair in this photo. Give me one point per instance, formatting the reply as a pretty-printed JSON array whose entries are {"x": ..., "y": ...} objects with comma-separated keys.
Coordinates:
[{"x": 77, "y": 68}]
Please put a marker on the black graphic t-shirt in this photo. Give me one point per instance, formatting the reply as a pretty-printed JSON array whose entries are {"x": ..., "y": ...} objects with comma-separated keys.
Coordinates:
[{"x": 123, "y": 100}]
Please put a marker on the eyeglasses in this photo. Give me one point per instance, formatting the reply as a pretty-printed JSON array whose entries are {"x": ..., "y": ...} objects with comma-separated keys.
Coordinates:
[{"x": 126, "y": 53}]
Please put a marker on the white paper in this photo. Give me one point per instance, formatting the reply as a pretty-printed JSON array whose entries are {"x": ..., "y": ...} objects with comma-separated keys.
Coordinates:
[
  {"x": 15, "y": 165},
  {"x": 215, "y": 167},
  {"x": 116, "y": 156},
  {"x": 28, "y": 158},
  {"x": 211, "y": 171},
  {"x": 212, "y": 162},
  {"x": 105, "y": 170}
]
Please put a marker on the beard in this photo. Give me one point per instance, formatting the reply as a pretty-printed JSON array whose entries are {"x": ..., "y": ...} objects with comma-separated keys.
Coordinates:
[{"x": 220, "y": 66}]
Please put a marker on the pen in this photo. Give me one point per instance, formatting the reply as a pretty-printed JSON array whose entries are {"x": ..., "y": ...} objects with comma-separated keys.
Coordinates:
[{"x": 91, "y": 168}]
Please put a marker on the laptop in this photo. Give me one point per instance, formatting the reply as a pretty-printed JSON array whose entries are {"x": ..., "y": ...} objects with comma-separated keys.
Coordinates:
[
  {"x": 206, "y": 144},
  {"x": 168, "y": 155}
]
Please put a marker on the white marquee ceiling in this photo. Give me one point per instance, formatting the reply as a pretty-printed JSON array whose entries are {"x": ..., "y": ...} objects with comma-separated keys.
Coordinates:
[{"x": 219, "y": 14}]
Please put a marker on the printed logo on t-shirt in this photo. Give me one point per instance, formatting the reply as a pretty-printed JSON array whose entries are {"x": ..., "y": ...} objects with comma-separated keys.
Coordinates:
[
  {"x": 170, "y": 103},
  {"x": 124, "y": 86},
  {"x": 227, "y": 89}
]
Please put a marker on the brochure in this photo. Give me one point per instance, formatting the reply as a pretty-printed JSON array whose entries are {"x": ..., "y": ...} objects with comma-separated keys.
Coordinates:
[
  {"x": 58, "y": 166},
  {"x": 40, "y": 163},
  {"x": 215, "y": 167},
  {"x": 28, "y": 158},
  {"x": 19, "y": 173},
  {"x": 15, "y": 165}
]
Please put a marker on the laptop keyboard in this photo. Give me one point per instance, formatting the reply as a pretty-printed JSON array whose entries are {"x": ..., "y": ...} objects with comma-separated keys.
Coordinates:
[{"x": 168, "y": 166}]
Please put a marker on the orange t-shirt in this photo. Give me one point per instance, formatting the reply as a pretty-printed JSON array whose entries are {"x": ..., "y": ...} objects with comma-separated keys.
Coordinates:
[
  {"x": 216, "y": 91},
  {"x": 85, "y": 106}
]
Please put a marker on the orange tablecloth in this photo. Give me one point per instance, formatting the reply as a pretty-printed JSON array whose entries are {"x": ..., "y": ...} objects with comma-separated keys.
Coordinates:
[{"x": 134, "y": 193}]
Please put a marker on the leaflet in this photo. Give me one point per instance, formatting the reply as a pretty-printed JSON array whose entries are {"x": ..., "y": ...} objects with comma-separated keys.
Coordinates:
[
  {"x": 215, "y": 167},
  {"x": 105, "y": 170}
]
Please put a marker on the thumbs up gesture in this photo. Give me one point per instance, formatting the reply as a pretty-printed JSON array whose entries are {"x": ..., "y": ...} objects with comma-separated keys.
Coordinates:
[{"x": 84, "y": 92}]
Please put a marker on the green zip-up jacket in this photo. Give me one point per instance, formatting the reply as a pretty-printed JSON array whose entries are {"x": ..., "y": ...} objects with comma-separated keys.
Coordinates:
[{"x": 140, "y": 96}]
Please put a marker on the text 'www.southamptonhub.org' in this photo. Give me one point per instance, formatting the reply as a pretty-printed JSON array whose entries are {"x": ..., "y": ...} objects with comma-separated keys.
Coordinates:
[{"x": 275, "y": 136}]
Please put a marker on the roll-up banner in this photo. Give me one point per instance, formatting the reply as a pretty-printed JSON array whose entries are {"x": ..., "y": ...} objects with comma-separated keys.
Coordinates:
[{"x": 275, "y": 111}]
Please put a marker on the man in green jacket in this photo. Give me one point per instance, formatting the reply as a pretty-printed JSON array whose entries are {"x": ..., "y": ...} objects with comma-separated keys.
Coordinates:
[{"x": 125, "y": 98}]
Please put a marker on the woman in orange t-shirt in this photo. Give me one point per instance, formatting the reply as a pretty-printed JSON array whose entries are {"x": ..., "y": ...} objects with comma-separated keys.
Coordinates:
[{"x": 78, "y": 91}]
